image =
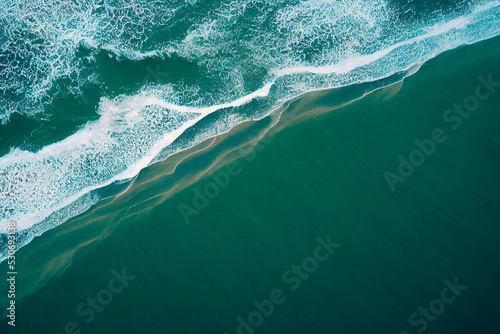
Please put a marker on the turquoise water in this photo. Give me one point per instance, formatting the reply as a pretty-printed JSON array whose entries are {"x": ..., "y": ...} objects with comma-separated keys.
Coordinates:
[{"x": 251, "y": 175}]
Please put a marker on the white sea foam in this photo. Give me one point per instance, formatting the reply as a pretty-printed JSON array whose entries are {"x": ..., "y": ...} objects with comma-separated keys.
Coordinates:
[
  {"x": 356, "y": 61},
  {"x": 40, "y": 41}
]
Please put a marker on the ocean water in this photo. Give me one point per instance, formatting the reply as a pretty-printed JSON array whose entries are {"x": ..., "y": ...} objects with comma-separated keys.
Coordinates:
[{"x": 206, "y": 148}]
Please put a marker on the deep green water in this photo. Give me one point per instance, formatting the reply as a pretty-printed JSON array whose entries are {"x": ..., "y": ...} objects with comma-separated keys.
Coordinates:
[{"x": 320, "y": 176}]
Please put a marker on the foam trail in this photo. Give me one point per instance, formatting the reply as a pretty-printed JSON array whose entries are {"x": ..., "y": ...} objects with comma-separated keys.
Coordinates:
[
  {"x": 262, "y": 92},
  {"x": 114, "y": 128},
  {"x": 363, "y": 60}
]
